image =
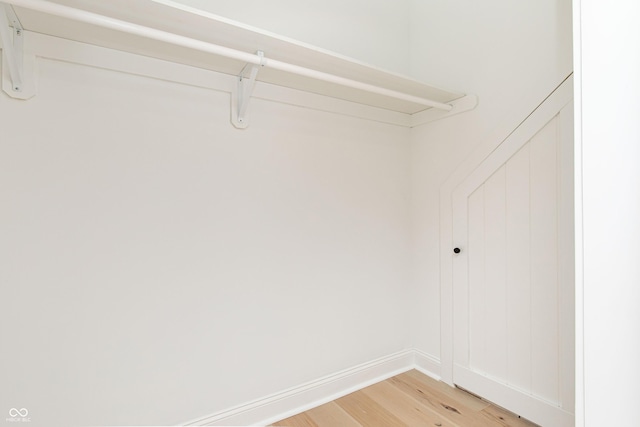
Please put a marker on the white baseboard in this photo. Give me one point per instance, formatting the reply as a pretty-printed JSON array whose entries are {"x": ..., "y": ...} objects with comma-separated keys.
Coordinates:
[
  {"x": 427, "y": 364},
  {"x": 306, "y": 396}
]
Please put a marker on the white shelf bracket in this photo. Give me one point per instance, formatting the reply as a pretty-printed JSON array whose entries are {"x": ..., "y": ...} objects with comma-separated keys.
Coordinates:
[
  {"x": 17, "y": 67},
  {"x": 12, "y": 46},
  {"x": 240, "y": 98}
]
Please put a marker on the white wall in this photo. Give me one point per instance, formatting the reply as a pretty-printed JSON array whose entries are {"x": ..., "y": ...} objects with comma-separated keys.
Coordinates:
[
  {"x": 512, "y": 55},
  {"x": 162, "y": 265},
  {"x": 608, "y": 71},
  {"x": 159, "y": 265},
  {"x": 372, "y": 31}
]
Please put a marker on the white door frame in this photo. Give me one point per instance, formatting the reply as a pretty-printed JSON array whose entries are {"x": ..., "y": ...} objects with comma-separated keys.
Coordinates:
[
  {"x": 523, "y": 403},
  {"x": 548, "y": 108}
]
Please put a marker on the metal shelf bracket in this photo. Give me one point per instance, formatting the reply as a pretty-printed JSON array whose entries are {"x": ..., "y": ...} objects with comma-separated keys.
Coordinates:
[
  {"x": 241, "y": 96},
  {"x": 18, "y": 66}
]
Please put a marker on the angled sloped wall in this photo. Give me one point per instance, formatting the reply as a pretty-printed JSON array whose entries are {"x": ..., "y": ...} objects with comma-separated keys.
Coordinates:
[{"x": 512, "y": 55}]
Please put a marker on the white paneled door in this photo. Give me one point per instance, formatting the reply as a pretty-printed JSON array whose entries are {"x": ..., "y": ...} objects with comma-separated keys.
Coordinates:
[{"x": 513, "y": 270}]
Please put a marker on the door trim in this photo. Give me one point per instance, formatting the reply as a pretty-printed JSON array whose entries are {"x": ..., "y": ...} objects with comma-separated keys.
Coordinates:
[
  {"x": 556, "y": 412},
  {"x": 560, "y": 97}
]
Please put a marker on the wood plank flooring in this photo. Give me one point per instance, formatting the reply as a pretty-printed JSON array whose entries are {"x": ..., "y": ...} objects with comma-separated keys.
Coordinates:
[{"x": 408, "y": 399}]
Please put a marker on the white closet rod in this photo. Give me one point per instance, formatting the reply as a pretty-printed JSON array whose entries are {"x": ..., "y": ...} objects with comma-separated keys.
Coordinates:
[{"x": 178, "y": 40}]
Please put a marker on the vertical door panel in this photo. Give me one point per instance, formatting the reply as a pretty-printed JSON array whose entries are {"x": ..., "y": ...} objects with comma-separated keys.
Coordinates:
[
  {"x": 518, "y": 270},
  {"x": 544, "y": 261},
  {"x": 495, "y": 276},
  {"x": 476, "y": 316}
]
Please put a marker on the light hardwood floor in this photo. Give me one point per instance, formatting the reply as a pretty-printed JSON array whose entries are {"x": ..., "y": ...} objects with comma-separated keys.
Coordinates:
[{"x": 408, "y": 399}]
